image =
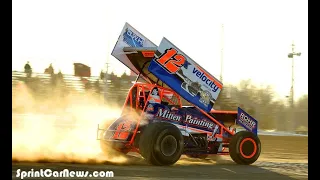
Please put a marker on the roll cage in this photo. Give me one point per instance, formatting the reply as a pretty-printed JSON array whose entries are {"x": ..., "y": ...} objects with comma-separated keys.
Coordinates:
[{"x": 139, "y": 96}]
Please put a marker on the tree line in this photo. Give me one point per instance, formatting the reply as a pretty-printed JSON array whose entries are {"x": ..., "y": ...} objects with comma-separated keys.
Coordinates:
[{"x": 261, "y": 102}]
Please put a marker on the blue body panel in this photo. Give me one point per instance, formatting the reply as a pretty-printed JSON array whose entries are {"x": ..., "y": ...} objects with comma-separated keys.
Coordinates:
[
  {"x": 189, "y": 120},
  {"x": 188, "y": 117}
]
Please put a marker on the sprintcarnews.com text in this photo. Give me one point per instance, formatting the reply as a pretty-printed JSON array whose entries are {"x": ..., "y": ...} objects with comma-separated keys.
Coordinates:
[{"x": 66, "y": 173}]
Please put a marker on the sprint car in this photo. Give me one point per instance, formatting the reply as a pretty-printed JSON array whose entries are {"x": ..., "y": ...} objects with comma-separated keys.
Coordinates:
[{"x": 154, "y": 122}]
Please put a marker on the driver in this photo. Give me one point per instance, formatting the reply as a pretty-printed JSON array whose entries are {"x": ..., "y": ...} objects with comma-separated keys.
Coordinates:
[{"x": 154, "y": 96}]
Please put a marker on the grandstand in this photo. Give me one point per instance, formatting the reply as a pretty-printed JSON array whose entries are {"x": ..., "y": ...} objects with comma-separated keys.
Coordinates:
[{"x": 115, "y": 89}]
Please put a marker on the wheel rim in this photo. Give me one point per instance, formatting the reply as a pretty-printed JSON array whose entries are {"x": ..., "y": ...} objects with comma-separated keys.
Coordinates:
[
  {"x": 248, "y": 148},
  {"x": 168, "y": 145}
]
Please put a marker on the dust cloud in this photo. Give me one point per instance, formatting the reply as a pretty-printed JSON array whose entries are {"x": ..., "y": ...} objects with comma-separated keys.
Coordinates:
[{"x": 57, "y": 129}]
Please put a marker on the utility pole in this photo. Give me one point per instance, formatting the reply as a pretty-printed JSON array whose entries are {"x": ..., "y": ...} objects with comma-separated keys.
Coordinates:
[
  {"x": 107, "y": 66},
  {"x": 107, "y": 71},
  {"x": 106, "y": 81},
  {"x": 222, "y": 45},
  {"x": 291, "y": 56}
]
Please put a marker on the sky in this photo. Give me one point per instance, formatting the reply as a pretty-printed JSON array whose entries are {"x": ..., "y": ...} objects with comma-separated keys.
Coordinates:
[{"x": 256, "y": 37}]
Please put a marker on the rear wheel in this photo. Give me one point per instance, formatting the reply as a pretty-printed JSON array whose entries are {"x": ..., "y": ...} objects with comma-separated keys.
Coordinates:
[
  {"x": 161, "y": 143},
  {"x": 244, "y": 148}
]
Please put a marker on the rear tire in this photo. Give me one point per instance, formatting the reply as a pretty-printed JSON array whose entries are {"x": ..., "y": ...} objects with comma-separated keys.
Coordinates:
[
  {"x": 161, "y": 143},
  {"x": 244, "y": 148}
]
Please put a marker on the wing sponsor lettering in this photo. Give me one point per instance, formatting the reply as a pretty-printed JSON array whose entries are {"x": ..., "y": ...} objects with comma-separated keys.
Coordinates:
[{"x": 246, "y": 121}]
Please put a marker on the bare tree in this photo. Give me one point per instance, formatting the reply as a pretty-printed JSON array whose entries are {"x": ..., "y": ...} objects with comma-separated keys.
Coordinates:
[{"x": 301, "y": 111}]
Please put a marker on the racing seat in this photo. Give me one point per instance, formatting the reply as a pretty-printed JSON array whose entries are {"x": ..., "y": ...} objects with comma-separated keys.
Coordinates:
[{"x": 142, "y": 99}]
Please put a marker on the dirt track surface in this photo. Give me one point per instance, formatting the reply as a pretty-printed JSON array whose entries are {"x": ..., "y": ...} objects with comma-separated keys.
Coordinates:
[{"x": 281, "y": 158}]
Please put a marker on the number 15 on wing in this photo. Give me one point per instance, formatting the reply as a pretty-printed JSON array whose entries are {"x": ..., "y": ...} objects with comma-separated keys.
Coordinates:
[{"x": 171, "y": 61}]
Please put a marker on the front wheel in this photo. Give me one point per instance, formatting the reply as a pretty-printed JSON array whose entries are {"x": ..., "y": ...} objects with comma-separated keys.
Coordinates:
[
  {"x": 244, "y": 148},
  {"x": 161, "y": 143}
]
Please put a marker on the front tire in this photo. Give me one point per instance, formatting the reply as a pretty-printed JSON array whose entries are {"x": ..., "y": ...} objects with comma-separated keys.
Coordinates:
[
  {"x": 244, "y": 148},
  {"x": 161, "y": 143}
]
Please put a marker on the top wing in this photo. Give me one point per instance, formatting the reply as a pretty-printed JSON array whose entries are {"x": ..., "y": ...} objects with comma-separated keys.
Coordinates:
[
  {"x": 167, "y": 66},
  {"x": 129, "y": 42}
]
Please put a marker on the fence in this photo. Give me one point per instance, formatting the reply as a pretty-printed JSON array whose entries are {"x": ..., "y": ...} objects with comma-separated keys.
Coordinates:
[{"x": 42, "y": 85}]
